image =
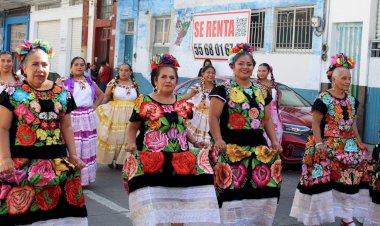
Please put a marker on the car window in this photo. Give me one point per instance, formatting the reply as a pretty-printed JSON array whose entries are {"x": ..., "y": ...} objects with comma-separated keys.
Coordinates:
[
  {"x": 291, "y": 98},
  {"x": 184, "y": 89}
]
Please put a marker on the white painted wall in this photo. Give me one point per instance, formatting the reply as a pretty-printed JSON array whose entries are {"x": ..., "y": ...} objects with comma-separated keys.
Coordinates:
[
  {"x": 65, "y": 13},
  {"x": 364, "y": 11}
]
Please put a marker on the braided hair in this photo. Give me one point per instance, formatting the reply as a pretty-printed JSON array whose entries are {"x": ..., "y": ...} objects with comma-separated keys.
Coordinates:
[
  {"x": 274, "y": 84},
  {"x": 204, "y": 69}
]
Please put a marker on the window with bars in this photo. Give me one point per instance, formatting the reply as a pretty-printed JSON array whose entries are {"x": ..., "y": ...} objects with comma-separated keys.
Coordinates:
[
  {"x": 161, "y": 33},
  {"x": 130, "y": 27},
  {"x": 49, "y": 5},
  {"x": 293, "y": 29},
  {"x": 257, "y": 29},
  {"x": 105, "y": 9},
  {"x": 75, "y": 2}
]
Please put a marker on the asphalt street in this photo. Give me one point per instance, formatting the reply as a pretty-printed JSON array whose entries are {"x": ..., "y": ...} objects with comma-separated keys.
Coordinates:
[{"x": 107, "y": 201}]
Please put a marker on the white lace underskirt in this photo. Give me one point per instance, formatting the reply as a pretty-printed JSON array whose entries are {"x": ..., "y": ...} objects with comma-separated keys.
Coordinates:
[
  {"x": 77, "y": 221},
  {"x": 162, "y": 205},
  {"x": 249, "y": 212},
  {"x": 373, "y": 218},
  {"x": 322, "y": 208}
]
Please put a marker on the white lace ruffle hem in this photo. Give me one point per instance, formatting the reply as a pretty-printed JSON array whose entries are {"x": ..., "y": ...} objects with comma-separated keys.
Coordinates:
[
  {"x": 249, "y": 212},
  {"x": 161, "y": 205}
]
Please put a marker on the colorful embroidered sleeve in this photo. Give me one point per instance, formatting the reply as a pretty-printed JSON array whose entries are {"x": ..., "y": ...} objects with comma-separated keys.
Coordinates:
[
  {"x": 219, "y": 92},
  {"x": 135, "y": 117},
  {"x": 4, "y": 100}
]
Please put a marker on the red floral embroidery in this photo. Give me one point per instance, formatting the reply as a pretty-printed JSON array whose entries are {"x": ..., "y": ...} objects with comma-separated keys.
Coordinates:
[
  {"x": 25, "y": 135},
  {"x": 74, "y": 193},
  {"x": 223, "y": 175},
  {"x": 48, "y": 197},
  {"x": 19, "y": 199},
  {"x": 184, "y": 162},
  {"x": 50, "y": 94},
  {"x": 151, "y": 110},
  {"x": 183, "y": 108},
  {"x": 57, "y": 89},
  {"x": 152, "y": 162},
  {"x": 236, "y": 120},
  {"x": 26, "y": 88},
  {"x": 38, "y": 95},
  {"x": 335, "y": 175},
  {"x": 20, "y": 162}
]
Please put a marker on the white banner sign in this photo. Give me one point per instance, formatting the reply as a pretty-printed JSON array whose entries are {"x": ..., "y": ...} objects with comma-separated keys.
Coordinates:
[{"x": 215, "y": 33}]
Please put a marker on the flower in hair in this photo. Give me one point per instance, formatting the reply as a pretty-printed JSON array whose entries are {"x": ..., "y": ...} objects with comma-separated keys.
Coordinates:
[
  {"x": 23, "y": 49},
  {"x": 163, "y": 58},
  {"x": 340, "y": 60},
  {"x": 241, "y": 47}
]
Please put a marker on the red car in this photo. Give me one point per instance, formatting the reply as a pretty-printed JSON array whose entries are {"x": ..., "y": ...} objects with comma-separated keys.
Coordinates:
[{"x": 295, "y": 112}]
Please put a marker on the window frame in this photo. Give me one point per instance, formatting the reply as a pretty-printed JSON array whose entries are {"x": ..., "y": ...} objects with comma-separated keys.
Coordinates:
[
  {"x": 163, "y": 44},
  {"x": 293, "y": 49},
  {"x": 263, "y": 24}
]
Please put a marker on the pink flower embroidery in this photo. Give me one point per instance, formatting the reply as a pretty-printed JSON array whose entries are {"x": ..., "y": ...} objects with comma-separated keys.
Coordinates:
[
  {"x": 57, "y": 107},
  {"x": 4, "y": 189},
  {"x": 182, "y": 140},
  {"x": 276, "y": 171},
  {"x": 214, "y": 154},
  {"x": 36, "y": 106},
  {"x": 203, "y": 161},
  {"x": 172, "y": 133},
  {"x": 255, "y": 123},
  {"x": 155, "y": 140},
  {"x": 261, "y": 175},
  {"x": 131, "y": 167},
  {"x": 168, "y": 108},
  {"x": 23, "y": 112},
  {"x": 44, "y": 168},
  {"x": 239, "y": 173},
  {"x": 16, "y": 177}
]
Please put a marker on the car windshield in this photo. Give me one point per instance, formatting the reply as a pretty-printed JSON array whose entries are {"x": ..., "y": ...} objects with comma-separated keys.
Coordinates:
[
  {"x": 291, "y": 98},
  {"x": 187, "y": 86}
]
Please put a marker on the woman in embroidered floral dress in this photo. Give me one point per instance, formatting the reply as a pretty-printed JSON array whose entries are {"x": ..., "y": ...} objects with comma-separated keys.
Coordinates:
[
  {"x": 7, "y": 75},
  {"x": 167, "y": 182},
  {"x": 271, "y": 86},
  {"x": 39, "y": 183},
  {"x": 87, "y": 96},
  {"x": 373, "y": 218},
  {"x": 199, "y": 126},
  {"x": 334, "y": 168},
  {"x": 113, "y": 116},
  {"x": 247, "y": 172}
]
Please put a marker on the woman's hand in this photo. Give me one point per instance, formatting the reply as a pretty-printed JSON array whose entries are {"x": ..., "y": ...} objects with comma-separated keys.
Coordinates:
[
  {"x": 76, "y": 161},
  {"x": 277, "y": 147},
  {"x": 200, "y": 144},
  {"x": 7, "y": 166},
  {"x": 131, "y": 147},
  {"x": 220, "y": 145}
]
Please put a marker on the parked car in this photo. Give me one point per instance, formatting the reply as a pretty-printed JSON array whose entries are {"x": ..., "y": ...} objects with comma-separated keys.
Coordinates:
[{"x": 295, "y": 112}]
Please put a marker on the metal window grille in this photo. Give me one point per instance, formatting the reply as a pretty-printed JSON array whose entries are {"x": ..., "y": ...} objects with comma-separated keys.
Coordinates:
[
  {"x": 75, "y": 2},
  {"x": 375, "y": 48},
  {"x": 106, "y": 9},
  {"x": 257, "y": 29},
  {"x": 48, "y": 5},
  {"x": 293, "y": 30},
  {"x": 161, "y": 41}
]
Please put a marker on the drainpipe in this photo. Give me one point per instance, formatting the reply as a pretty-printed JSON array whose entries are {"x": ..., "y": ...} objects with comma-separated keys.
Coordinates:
[{"x": 84, "y": 29}]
